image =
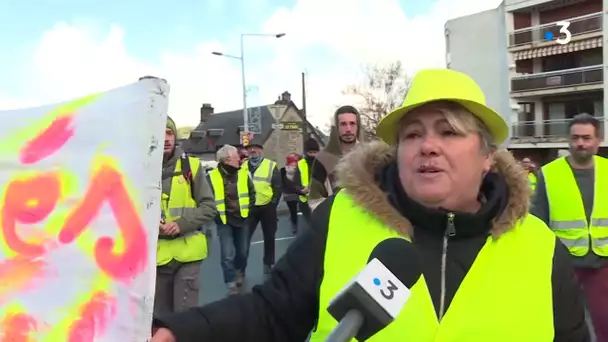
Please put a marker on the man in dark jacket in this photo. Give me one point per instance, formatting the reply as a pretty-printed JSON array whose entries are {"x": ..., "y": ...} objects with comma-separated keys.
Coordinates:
[
  {"x": 233, "y": 211},
  {"x": 345, "y": 133},
  {"x": 580, "y": 180}
]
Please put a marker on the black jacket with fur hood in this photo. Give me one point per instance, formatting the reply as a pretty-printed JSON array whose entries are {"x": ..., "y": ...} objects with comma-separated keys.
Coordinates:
[{"x": 285, "y": 308}]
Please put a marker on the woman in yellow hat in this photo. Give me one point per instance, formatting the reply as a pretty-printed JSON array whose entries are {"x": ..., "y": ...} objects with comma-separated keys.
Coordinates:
[{"x": 490, "y": 271}]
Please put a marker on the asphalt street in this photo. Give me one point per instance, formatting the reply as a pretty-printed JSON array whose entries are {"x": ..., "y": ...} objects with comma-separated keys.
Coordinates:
[{"x": 212, "y": 283}]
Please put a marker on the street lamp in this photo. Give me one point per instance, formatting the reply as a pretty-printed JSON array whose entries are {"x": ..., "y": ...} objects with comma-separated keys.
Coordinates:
[{"x": 242, "y": 59}]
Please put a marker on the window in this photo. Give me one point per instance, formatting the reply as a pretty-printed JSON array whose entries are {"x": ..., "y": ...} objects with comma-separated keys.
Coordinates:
[
  {"x": 576, "y": 107},
  {"x": 198, "y": 134},
  {"x": 211, "y": 143},
  {"x": 215, "y": 132},
  {"x": 525, "y": 120},
  {"x": 560, "y": 62},
  {"x": 526, "y": 112}
]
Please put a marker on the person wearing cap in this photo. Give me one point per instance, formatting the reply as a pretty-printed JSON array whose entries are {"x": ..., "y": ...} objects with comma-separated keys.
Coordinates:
[
  {"x": 572, "y": 199},
  {"x": 294, "y": 190},
  {"x": 305, "y": 168},
  {"x": 187, "y": 205},
  {"x": 491, "y": 272},
  {"x": 267, "y": 182},
  {"x": 345, "y": 134}
]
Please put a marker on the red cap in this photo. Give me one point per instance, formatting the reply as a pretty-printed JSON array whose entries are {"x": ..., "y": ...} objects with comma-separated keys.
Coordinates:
[{"x": 292, "y": 159}]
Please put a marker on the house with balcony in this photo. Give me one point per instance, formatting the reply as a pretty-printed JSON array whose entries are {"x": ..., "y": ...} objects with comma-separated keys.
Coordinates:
[
  {"x": 536, "y": 84},
  {"x": 549, "y": 82}
]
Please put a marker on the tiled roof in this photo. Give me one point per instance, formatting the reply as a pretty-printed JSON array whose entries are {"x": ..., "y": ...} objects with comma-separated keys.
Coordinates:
[
  {"x": 223, "y": 128},
  {"x": 226, "y": 125}
]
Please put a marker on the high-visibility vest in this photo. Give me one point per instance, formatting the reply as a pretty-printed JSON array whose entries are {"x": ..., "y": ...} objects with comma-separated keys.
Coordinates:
[
  {"x": 566, "y": 210},
  {"x": 262, "y": 178},
  {"x": 506, "y": 295},
  {"x": 242, "y": 186},
  {"x": 532, "y": 182},
  {"x": 192, "y": 246},
  {"x": 303, "y": 169}
]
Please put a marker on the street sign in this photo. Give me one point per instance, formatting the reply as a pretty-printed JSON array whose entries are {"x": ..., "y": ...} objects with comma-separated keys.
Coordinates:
[
  {"x": 288, "y": 126},
  {"x": 291, "y": 126}
]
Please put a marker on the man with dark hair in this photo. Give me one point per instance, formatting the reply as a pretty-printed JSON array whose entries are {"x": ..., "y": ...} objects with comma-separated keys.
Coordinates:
[
  {"x": 572, "y": 198},
  {"x": 345, "y": 133},
  {"x": 187, "y": 204}
]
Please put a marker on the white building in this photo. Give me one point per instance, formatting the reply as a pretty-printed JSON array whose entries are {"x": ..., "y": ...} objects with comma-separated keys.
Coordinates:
[{"x": 535, "y": 83}]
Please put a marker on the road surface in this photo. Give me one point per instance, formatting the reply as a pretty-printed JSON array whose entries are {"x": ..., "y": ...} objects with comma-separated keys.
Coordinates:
[{"x": 212, "y": 282}]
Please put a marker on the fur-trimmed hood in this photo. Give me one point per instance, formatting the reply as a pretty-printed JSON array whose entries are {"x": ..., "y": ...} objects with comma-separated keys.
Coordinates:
[{"x": 357, "y": 170}]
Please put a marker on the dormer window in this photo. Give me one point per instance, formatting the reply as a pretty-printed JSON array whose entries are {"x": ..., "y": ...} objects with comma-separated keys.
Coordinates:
[
  {"x": 215, "y": 132},
  {"x": 198, "y": 134}
]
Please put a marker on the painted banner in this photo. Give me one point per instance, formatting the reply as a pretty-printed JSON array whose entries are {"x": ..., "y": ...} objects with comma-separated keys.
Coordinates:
[{"x": 79, "y": 211}]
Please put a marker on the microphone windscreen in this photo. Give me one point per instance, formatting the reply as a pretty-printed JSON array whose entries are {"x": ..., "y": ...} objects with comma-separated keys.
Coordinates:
[{"x": 401, "y": 258}]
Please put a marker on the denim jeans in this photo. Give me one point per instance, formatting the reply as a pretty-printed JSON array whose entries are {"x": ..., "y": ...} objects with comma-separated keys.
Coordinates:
[
  {"x": 234, "y": 250},
  {"x": 595, "y": 286}
]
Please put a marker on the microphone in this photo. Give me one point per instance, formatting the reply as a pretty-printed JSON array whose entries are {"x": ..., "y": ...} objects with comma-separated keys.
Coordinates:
[{"x": 374, "y": 298}]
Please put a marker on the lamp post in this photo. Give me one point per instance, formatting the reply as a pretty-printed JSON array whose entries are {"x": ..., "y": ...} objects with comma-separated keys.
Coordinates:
[{"x": 242, "y": 59}]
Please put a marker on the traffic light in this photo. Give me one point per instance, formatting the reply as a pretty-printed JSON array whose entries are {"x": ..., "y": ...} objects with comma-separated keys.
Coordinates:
[{"x": 245, "y": 138}]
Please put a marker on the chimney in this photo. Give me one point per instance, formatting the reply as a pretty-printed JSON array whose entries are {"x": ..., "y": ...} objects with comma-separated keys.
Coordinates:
[
  {"x": 286, "y": 97},
  {"x": 206, "y": 111}
]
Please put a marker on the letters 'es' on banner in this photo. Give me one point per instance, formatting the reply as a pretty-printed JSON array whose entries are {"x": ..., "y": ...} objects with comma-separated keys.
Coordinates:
[{"x": 79, "y": 212}]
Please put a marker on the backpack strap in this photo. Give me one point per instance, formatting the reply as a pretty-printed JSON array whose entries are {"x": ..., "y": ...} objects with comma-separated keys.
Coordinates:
[{"x": 187, "y": 173}]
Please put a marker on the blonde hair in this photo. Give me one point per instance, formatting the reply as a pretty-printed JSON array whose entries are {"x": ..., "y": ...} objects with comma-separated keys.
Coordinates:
[{"x": 462, "y": 121}]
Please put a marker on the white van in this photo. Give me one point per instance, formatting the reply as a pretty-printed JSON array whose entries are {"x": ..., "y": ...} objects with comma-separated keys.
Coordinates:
[{"x": 208, "y": 165}]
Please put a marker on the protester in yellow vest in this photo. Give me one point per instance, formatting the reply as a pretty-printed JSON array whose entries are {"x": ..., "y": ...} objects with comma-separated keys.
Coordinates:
[
  {"x": 305, "y": 165},
  {"x": 234, "y": 196},
  {"x": 491, "y": 272},
  {"x": 572, "y": 198},
  {"x": 187, "y": 204},
  {"x": 293, "y": 190},
  {"x": 532, "y": 172},
  {"x": 295, "y": 180},
  {"x": 267, "y": 182}
]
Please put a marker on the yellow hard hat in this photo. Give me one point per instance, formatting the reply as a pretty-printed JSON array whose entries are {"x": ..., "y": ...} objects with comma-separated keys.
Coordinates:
[{"x": 432, "y": 85}]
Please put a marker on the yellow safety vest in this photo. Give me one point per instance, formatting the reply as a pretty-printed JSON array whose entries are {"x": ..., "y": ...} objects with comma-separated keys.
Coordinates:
[
  {"x": 303, "y": 168},
  {"x": 567, "y": 212},
  {"x": 262, "y": 178},
  {"x": 242, "y": 186},
  {"x": 506, "y": 296},
  {"x": 532, "y": 182},
  {"x": 192, "y": 246}
]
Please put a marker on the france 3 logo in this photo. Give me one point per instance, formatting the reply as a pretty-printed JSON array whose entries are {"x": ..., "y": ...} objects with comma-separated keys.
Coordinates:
[
  {"x": 564, "y": 37},
  {"x": 386, "y": 290}
]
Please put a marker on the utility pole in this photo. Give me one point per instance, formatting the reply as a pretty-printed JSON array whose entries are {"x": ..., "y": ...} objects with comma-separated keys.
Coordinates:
[
  {"x": 241, "y": 58},
  {"x": 304, "y": 114}
]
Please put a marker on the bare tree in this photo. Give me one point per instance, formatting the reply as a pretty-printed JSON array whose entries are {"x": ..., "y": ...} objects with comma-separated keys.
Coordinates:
[{"x": 382, "y": 90}]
